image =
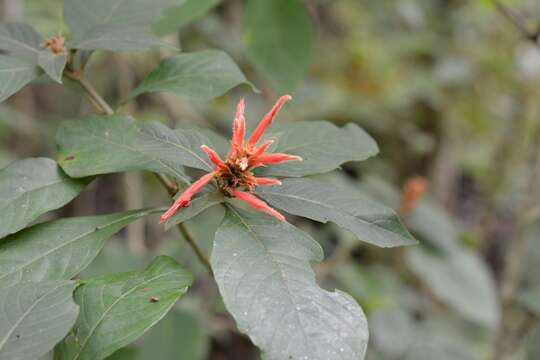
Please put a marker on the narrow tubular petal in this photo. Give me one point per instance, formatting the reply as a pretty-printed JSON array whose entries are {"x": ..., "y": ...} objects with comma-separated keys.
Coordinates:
[
  {"x": 185, "y": 199},
  {"x": 258, "y": 204},
  {"x": 214, "y": 156},
  {"x": 261, "y": 149},
  {"x": 267, "y": 181},
  {"x": 267, "y": 120},
  {"x": 274, "y": 158},
  {"x": 239, "y": 127}
]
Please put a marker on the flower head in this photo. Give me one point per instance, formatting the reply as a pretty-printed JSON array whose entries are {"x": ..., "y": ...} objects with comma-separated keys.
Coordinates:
[
  {"x": 56, "y": 44},
  {"x": 234, "y": 175}
]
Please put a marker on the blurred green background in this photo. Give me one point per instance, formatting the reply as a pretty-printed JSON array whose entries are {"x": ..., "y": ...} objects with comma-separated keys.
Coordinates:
[{"x": 448, "y": 88}]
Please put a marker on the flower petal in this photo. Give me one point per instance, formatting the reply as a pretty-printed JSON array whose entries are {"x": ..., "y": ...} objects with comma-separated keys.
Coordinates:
[
  {"x": 257, "y": 204},
  {"x": 266, "y": 181},
  {"x": 273, "y": 158},
  {"x": 185, "y": 199},
  {"x": 239, "y": 127},
  {"x": 214, "y": 157},
  {"x": 267, "y": 120},
  {"x": 261, "y": 149}
]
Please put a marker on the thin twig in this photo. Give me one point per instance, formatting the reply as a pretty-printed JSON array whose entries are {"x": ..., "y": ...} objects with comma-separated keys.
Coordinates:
[{"x": 169, "y": 185}]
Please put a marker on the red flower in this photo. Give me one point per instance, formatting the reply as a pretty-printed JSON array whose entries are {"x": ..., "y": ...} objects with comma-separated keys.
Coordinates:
[{"x": 234, "y": 176}]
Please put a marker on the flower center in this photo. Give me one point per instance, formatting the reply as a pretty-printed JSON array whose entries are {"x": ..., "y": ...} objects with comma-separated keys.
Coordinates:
[
  {"x": 56, "y": 44},
  {"x": 235, "y": 176}
]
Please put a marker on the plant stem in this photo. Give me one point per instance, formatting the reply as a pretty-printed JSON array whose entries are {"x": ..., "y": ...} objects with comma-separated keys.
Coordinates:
[
  {"x": 91, "y": 92},
  {"x": 191, "y": 241},
  {"x": 104, "y": 107}
]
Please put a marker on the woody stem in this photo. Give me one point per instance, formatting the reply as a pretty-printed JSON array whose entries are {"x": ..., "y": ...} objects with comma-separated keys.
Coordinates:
[{"x": 104, "y": 107}]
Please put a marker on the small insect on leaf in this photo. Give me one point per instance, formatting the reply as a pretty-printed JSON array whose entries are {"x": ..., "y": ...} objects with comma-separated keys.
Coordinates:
[{"x": 154, "y": 299}]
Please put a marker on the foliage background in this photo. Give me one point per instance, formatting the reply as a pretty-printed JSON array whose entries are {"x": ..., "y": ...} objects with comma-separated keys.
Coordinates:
[{"x": 447, "y": 88}]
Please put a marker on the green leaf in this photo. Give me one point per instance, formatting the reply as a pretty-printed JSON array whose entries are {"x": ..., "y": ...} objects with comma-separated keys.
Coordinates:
[
  {"x": 278, "y": 36},
  {"x": 20, "y": 47},
  {"x": 52, "y": 64},
  {"x": 427, "y": 220},
  {"x": 462, "y": 280},
  {"x": 114, "y": 24},
  {"x": 322, "y": 145},
  {"x": 197, "y": 206},
  {"x": 368, "y": 220},
  {"x": 262, "y": 267},
  {"x": 201, "y": 75},
  {"x": 114, "y": 257},
  {"x": 59, "y": 249},
  {"x": 127, "y": 353},
  {"x": 30, "y": 188},
  {"x": 181, "y": 15},
  {"x": 116, "y": 143},
  {"x": 217, "y": 141},
  {"x": 178, "y": 336},
  {"x": 119, "y": 308},
  {"x": 34, "y": 317},
  {"x": 14, "y": 75},
  {"x": 20, "y": 40}
]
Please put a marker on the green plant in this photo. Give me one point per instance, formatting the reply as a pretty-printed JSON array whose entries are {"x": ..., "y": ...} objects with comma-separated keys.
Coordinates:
[{"x": 261, "y": 264}]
